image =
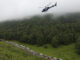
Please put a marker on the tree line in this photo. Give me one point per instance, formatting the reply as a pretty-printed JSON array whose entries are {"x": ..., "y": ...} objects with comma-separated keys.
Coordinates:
[{"x": 41, "y": 30}]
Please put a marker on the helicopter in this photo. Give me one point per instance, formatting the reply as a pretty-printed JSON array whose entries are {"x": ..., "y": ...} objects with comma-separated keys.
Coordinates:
[{"x": 48, "y": 7}]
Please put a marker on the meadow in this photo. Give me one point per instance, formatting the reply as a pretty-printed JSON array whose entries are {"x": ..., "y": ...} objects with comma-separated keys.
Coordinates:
[
  {"x": 66, "y": 52},
  {"x": 9, "y": 52}
]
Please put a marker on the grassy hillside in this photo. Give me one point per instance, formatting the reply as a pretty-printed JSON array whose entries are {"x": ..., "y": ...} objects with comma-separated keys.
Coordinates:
[
  {"x": 66, "y": 52},
  {"x": 9, "y": 52}
]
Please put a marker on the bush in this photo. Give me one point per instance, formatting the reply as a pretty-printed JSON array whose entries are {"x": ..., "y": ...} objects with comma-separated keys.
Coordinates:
[
  {"x": 55, "y": 42},
  {"x": 77, "y": 46}
]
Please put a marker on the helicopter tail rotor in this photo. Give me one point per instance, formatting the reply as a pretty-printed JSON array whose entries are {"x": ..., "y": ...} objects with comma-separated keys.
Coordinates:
[{"x": 56, "y": 4}]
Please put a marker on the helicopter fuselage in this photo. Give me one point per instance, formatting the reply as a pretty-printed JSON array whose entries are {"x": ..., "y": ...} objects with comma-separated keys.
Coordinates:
[{"x": 45, "y": 9}]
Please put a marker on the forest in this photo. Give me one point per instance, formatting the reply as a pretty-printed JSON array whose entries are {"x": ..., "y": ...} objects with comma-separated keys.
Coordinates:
[{"x": 41, "y": 30}]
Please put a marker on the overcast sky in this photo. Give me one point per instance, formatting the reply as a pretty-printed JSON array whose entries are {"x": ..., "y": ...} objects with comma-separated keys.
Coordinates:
[{"x": 10, "y": 9}]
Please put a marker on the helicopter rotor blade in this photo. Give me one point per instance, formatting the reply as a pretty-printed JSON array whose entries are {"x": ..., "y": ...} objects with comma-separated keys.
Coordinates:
[
  {"x": 41, "y": 7},
  {"x": 48, "y": 4}
]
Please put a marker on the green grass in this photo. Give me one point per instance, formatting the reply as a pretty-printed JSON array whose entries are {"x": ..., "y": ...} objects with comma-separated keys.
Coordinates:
[
  {"x": 9, "y": 52},
  {"x": 65, "y": 52}
]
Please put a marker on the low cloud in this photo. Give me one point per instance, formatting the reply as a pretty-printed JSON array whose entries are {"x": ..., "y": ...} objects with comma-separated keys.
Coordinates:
[{"x": 14, "y": 9}]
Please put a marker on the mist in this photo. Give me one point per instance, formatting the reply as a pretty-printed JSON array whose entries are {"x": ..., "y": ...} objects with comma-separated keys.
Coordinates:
[{"x": 17, "y": 9}]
